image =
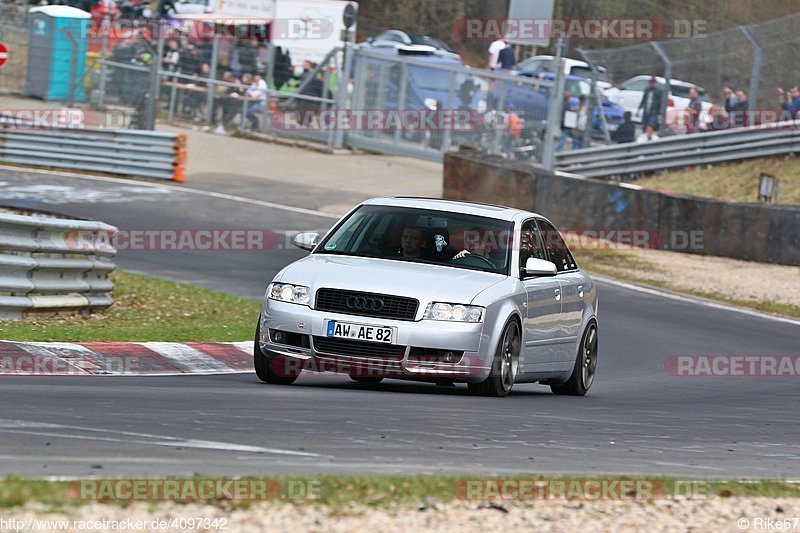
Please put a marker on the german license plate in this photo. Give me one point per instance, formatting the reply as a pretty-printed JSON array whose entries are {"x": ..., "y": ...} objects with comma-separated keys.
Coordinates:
[{"x": 359, "y": 332}]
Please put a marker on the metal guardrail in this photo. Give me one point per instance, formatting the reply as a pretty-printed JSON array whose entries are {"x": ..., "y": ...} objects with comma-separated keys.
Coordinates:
[
  {"x": 53, "y": 265},
  {"x": 685, "y": 150},
  {"x": 127, "y": 152}
]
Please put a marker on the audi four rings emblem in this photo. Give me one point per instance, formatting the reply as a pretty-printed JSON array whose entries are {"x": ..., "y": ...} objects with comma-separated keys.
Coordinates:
[{"x": 364, "y": 304}]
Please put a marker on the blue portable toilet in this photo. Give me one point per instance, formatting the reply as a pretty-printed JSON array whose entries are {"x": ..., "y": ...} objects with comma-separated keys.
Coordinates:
[{"x": 55, "y": 62}]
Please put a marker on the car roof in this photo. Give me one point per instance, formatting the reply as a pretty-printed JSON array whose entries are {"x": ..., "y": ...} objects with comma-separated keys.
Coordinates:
[
  {"x": 568, "y": 60},
  {"x": 454, "y": 206},
  {"x": 659, "y": 79}
]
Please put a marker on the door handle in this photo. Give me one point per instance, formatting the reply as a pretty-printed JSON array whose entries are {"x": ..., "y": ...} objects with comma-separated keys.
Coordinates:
[
  {"x": 580, "y": 291},
  {"x": 558, "y": 294}
]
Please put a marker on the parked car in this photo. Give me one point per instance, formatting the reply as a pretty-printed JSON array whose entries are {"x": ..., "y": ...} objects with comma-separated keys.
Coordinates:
[
  {"x": 574, "y": 67},
  {"x": 385, "y": 293},
  {"x": 629, "y": 95},
  {"x": 534, "y": 102},
  {"x": 395, "y": 38}
]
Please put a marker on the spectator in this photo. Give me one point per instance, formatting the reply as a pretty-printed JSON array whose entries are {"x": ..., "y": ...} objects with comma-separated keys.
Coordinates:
[
  {"x": 738, "y": 117},
  {"x": 681, "y": 125},
  {"x": 257, "y": 94},
  {"x": 626, "y": 132},
  {"x": 164, "y": 8},
  {"x": 282, "y": 70},
  {"x": 189, "y": 62},
  {"x": 506, "y": 58},
  {"x": 730, "y": 98},
  {"x": 314, "y": 85},
  {"x": 197, "y": 95},
  {"x": 494, "y": 53},
  {"x": 229, "y": 100},
  {"x": 741, "y": 101},
  {"x": 651, "y": 104},
  {"x": 790, "y": 101},
  {"x": 691, "y": 119},
  {"x": 171, "y": 56},
  {"x": 248, "y": 57},
  {"x": 720, "y": 120},
  {"x": 568, "y": 122},
  {"x": 582, "y": 123}
]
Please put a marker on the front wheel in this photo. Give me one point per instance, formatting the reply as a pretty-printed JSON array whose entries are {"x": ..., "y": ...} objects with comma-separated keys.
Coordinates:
[
  {"x": 275, "y": 371},
  {"x": 504, "y": 367},
  {"x": 585, "y": 366}
]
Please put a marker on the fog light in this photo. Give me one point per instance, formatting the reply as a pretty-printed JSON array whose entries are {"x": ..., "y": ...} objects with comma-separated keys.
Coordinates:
[
  {"x": 449, "y": 357},
  {"x": 279, "y": 337}
]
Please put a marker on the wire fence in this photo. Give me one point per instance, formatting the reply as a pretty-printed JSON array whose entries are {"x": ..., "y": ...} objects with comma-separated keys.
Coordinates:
[{"x": 717, "y": 59}]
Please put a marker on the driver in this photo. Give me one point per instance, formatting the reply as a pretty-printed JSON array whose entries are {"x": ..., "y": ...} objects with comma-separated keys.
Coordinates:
[{"x": 411, "y": 243}]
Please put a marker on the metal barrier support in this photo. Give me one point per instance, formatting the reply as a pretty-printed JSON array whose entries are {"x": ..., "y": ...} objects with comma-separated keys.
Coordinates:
[
  {"x": 127, "y": 152},
  {"x": 53, "y": 265}
]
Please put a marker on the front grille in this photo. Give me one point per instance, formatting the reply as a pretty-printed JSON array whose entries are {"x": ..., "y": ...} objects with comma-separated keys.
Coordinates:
[
  {"x": 358, "y": 348},
  {"x": 366, "y": 304}
]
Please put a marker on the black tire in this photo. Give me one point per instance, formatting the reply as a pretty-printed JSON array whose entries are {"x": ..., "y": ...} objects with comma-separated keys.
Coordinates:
[
  {"x": 367, "y": 380},
  {"x": 273, "y": 371},
  {"x": 504, "y": 367},
  {"x": 585, "y": 366}
]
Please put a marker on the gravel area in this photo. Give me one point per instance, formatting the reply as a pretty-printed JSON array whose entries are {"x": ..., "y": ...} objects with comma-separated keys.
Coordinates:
[
  {"x": 705, "y": 514},
  {"x": 740, "y": 280}
]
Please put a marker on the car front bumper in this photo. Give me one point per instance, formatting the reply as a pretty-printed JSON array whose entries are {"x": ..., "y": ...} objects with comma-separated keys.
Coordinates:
[{"x": 417, "y": 346}]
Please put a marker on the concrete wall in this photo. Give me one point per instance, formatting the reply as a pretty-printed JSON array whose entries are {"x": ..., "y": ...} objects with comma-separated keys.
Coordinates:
[{"x": 754, "y": 232}]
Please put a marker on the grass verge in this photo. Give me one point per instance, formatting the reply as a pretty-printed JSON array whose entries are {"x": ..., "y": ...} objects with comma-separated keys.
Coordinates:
[
  {"x": 148, "y": 309},
  {"x": 341, "y": 492},
  {"x": 737, "y": 182}
]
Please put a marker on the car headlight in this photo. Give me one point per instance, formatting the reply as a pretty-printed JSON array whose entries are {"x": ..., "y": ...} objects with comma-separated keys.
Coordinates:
[
  {"x": 431, "y": 103},
  {"x": 286, "y": 292},
  {"x": 454, "y": 312}
]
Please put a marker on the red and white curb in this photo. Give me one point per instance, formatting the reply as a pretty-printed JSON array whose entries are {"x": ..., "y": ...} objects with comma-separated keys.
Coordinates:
[{"x": 124, "y": 358}]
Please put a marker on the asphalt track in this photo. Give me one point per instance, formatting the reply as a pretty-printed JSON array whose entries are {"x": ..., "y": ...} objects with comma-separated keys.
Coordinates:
[{"x": 636, "y": 419}]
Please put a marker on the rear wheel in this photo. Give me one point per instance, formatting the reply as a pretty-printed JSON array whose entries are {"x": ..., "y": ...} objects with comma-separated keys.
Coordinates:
[
  {"x": 277, "y": 370},
  {"x": 585, "y": 366},
  {"x": 504, "y": 367}
]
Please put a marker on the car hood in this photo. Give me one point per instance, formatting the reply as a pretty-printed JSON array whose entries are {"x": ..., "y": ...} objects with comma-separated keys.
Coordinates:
[{"x": 427, "y": 283}]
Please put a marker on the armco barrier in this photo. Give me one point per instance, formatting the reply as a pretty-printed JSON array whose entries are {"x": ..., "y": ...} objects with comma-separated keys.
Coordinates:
[
  {"x": 777, "y": 138},
  {"x": 127, "y": 152},
  {"x": 754, "y": 232},
  {"x": 53, "y": 265}
]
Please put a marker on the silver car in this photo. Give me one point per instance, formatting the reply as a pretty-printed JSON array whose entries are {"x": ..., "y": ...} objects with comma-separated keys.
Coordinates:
[{"x": 433, "y": 290}]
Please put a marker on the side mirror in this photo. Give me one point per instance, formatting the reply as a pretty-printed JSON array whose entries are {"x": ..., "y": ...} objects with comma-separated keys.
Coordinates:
[
  {"x": 539, "y": 267},
  {"x": 307, "y": 241}
]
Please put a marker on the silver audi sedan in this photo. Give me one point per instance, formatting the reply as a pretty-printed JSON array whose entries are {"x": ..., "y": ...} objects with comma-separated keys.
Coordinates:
[{"x": 433, "y": 290}]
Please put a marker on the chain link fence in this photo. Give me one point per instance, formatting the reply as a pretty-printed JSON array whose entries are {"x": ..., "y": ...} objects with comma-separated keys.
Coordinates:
[{"x": 717, "y": 59}]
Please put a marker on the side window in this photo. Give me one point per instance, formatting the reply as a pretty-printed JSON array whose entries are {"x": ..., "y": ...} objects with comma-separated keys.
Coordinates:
[
  {"x": 556, "y": 247},
  {"x": 530, "y": 243},
  {"x": 636, "y": 85}
]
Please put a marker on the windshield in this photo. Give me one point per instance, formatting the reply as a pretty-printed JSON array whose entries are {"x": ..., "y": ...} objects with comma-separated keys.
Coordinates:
[
  {"x": 432, "y": 78},
  {"x": 423, "y": 236}
]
